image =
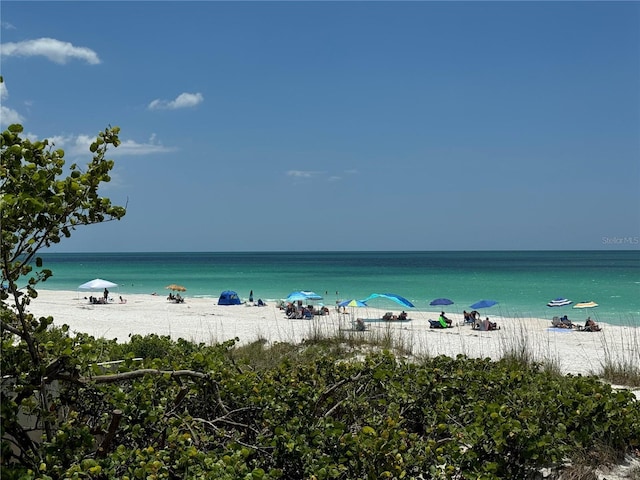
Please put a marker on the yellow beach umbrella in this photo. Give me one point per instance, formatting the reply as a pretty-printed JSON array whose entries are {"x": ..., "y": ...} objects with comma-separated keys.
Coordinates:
[{"x": 585, "y": 305}]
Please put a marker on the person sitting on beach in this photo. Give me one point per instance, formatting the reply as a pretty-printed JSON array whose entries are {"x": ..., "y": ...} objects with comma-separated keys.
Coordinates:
[
  {"x": 389, "y": 316},
  {"x": 591, "y": 326},
  {"x": 566, "y": 322},
  {"x": 360, "y": 326},
  {"x": 402, "y": 316},
  {"x": 467, "y": 317},
  {"x": 487, "y": 325},
  {"x": 122, "y": 300},
  {"x": 443, "y": 318},
  {"x": 290, "y": 310},
  {"x": 558, "y": 323},
  {"x": 170, "y": 297}
]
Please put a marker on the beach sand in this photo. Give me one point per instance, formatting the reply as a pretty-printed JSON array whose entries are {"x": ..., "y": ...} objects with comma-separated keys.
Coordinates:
[{"x": 202, "y": 320}]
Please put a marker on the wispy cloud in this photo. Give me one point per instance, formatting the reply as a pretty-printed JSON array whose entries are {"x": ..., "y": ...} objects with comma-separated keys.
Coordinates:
[
  {"x": 302, "y": 173},
  {"x": 184, "y": 100},
  {"x": 7, "y": 115},
  {"x": 54, "y": 50},
  {"x": 79, "y": 145},
  {"x": 346, "y": 173},
  {"x": 7, "y": 26}
]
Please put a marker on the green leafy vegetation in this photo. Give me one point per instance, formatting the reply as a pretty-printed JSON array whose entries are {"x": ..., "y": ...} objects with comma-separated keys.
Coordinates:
[{"x": 315, "y": 413}]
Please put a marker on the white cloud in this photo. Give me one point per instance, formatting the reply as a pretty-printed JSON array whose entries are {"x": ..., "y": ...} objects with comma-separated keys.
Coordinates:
[
  {"x": 54, "y": 50},
  {"x": 78, "y": 145},
  {"x": 302, "y": 173},
  {"x": 184, "y": 100},
  {"x": 59, "y": 141},
  {"x": 7, "y": 115},
  {"x": 81, "y": 143},
  {"x": 7, "y": 26}
]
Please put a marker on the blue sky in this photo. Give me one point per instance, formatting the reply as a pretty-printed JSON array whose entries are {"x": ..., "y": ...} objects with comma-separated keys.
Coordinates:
[{"x": 276, "y": 126}]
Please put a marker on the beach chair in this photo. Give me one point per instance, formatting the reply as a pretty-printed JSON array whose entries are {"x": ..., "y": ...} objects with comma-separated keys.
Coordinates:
[{"x": 469, "y": 320}]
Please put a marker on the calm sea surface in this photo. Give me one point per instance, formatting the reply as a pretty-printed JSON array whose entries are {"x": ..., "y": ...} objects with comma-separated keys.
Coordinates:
[{"x": 522, "y": 282}]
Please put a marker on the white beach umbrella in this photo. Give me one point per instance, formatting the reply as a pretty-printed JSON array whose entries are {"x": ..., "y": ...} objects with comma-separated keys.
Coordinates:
[{"x": 97, "y": 283}]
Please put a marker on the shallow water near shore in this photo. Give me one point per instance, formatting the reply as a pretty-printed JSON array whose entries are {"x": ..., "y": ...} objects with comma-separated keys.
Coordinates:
[{"x": 522, "y": 282}]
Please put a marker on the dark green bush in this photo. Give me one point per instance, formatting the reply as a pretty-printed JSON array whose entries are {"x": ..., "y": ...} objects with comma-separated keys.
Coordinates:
[{"x": 318, "y": 415}]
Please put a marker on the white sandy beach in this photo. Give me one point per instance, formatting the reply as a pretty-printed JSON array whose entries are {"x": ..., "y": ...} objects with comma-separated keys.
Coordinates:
[{"x": 202, "y": 320}]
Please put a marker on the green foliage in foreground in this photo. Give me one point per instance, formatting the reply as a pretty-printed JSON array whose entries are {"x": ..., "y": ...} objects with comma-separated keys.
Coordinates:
[{"x": 313, "y": 415}]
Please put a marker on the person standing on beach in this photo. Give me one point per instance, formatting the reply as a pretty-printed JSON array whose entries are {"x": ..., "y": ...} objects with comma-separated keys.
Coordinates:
[
  {"x": 106, "y": 295},
  {"x": 251, "y": 296}
]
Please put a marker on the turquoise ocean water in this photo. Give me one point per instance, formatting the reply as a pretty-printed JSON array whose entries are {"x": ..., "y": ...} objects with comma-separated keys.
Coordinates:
[{"x": 522, "y": 282}]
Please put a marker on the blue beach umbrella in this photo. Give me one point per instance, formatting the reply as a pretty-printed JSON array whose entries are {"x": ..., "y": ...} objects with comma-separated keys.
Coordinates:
[
  {"x": 303, "y": 295},
  {"x": 391, "y": 296},
  {"x": 559, "y": 302},
  {"x": 441, "y": 301},
  {"x": 483, "y": 304}
]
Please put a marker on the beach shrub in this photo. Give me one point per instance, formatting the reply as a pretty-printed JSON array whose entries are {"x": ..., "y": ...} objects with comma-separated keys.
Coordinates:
[{"x": 317, "y": 414}]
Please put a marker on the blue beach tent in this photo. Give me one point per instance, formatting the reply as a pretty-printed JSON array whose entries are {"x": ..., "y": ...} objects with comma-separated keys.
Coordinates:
[{"x": 229, "y": 297}]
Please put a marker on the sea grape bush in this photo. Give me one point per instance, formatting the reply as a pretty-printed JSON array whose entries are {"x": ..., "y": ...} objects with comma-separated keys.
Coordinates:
[{"x": 323, "y": 416}]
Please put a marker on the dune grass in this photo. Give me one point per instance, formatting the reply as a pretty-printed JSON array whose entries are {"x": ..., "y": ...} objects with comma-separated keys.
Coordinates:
[{"x": 621, "y": 366}]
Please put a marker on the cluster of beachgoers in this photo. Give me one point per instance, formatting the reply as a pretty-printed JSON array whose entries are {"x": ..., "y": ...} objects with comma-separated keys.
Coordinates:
[
  {"x": 200, "y": 319},
  {"x": 304, "y": 305}
]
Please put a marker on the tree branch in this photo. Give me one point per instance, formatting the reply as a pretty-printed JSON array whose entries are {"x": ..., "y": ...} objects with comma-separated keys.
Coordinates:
[
  {"x": 111, "y": 433},
  {"x": 11, "y": 329},
  {"x": 132, "y": 375}
]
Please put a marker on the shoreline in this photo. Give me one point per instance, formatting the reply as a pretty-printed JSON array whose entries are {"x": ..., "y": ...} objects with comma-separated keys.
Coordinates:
[{"x": 202, "y": 320}]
